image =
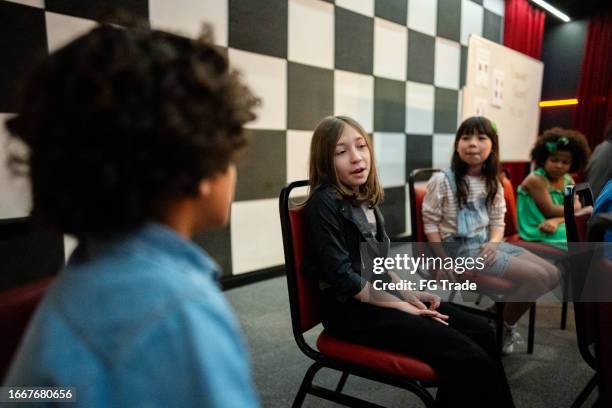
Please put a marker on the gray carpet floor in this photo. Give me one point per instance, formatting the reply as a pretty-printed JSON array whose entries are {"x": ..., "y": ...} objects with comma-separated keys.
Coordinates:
[{"x": 551, "y": 377}]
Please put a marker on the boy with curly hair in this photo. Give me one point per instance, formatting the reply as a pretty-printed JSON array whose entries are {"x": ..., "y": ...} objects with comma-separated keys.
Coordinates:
[
  {"x": 557, "y": 153},
  {"x": 132, "y": 137}
]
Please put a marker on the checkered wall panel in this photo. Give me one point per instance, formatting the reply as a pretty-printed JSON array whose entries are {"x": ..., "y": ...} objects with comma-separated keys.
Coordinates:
[{"x": 395, "y": 65}]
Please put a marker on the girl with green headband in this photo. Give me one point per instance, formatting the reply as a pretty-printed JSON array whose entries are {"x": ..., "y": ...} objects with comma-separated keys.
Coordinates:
[{"x": 557, "y": 153}]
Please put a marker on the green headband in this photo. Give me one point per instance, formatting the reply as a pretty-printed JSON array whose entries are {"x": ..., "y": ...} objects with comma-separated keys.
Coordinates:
[{"x": 553, "y": 146}]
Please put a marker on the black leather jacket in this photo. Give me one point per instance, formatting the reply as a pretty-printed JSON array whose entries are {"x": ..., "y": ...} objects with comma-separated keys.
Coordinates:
[{"x": 334, "y": 231}]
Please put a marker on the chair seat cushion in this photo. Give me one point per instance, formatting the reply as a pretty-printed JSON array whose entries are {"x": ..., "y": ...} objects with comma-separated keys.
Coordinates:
[{"x": 383, "y": 361}]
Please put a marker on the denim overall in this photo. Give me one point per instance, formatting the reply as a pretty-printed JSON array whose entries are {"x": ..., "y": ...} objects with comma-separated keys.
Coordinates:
[{"x": 473, "y": 216}]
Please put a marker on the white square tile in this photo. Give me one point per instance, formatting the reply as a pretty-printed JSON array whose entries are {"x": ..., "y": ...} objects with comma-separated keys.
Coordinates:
[
  {"x": 390, "y": 50},
  {"x": 298, "y": 154},
  {"x": 354, "y": 97},
  {"x": 447, "y": 65},
  {"x": 61, "y": 29},
  {"x": 390, "y": 153},
  {"x": 267, "y": 78},
  {"x": 31, "y": 3},
  {"x": 420, "y": 105},
  {"x": 16, "y": 198},
  {"x": 186, "y": 17},
  {"x": 472, "y": 16},
  {"x": 496, "y": 6},
  {"x": 423, "y": 16},
  {"x": 257, "y": 242},
  {"x": 365, "y": 7},
  {"x": 442, "y": 150},
  {"x": 307, "y": 45}
]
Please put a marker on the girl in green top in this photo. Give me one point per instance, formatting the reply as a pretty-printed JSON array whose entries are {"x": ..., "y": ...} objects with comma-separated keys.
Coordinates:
[{"x": 556, "y": 153}]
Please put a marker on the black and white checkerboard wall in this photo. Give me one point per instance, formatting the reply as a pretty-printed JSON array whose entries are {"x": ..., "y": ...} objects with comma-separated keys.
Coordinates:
[{"x": 395, "y": 65}]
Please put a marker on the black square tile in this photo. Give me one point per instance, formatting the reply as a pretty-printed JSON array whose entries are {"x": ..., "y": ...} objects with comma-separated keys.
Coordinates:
[
  {"x": 389, "y": 105},
  {"x": 219, "y": 246},
  {"x": 262, "y": 170},
  {"x": 492, "y": 26},
  {"x": 354, "y": 41},
  {"x": 421, "y": 57},
  {"x": 449, "y": 19},
  {"x": 445, "y": 116},
  {"x": 310, "y": 95},
  {"x": 464, "y": 56},
  {"x": 98, "y": 9},
  {"x": 419, "y": 152},
  {"x": 393, "y": 209},
  {"x": 23, "y": 41},
  {"x": 392, "y": 10},
  {"x": 259, "y": 26}
]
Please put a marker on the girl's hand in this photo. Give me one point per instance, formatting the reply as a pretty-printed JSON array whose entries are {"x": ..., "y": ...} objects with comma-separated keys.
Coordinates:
[
  {"x": 445, "y": 274},
  {"x": 549, "y": 226},
  {"x": 432, "y": 314},
  {"x": 489, "y": 252},
  {"x": 433, "y": 300}
]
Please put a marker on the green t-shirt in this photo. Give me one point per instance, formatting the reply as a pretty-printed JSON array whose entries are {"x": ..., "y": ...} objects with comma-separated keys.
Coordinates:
[{"x": 530, "y": 216}]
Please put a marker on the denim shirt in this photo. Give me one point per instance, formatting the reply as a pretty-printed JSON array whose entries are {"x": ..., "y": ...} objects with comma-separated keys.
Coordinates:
[{"x": 141, "y": 324}]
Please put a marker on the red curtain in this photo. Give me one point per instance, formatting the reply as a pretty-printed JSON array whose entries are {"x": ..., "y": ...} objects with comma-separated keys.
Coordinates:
[
  {"x": 594, "y": 108},
  {"x": 523, "y": 28}
]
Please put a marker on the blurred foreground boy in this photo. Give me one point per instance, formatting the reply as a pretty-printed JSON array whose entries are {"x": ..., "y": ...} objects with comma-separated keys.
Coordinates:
[{"x": 132, "y": 136}]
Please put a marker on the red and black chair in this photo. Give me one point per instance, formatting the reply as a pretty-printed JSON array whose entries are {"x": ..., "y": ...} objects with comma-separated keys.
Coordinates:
[
  {"x": 349, "y": 358},
  {"x": 493, "y": 287},
  {"x": 593, "y": 319},
  {"x": 16, "y": 307},
  {"x": 31, "y": 256},
  {"x": 585, "y": 313},
  {"x": 511, "y": 235}
]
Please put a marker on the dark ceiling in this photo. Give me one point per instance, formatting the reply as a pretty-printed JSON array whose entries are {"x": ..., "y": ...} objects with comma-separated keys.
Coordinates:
[{"x": 579, "y": 9}]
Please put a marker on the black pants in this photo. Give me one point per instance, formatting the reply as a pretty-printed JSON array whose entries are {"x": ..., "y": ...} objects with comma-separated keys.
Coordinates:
[{"x": 464, "y": 354}]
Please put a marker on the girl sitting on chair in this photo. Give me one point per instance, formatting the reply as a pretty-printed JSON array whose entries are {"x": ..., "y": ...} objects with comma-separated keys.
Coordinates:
[{"x": 342, "y": 212}]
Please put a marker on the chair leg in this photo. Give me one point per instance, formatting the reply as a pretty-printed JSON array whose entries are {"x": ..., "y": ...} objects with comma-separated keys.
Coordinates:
[
  {"x": 342, "y": 381},
  {"x": 306, "y": 384},
  {"x": 584, "y": 394},
  {"x": 531, "y": 332},
  {"x": 499, "y": 324},
  {"x": 563, "y": 315}
]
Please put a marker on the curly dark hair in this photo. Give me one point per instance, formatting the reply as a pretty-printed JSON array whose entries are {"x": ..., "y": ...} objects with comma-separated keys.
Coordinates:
[
  {"x": 562, "y": 139},
  {"x": 490, "y": 168},
  {"x": 122, "y": 121}
]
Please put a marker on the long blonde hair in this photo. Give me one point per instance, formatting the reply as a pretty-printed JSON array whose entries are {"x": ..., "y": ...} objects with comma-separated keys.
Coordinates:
[{"x": 323, "y": 171}]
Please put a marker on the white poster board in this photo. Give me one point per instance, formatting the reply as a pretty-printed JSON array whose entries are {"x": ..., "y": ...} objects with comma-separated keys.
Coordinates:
[{"x": 505, "y": 86}]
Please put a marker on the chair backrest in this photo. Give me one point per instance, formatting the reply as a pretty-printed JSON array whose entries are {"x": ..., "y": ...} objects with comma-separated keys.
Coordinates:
[
  {"x": 16, "y": 307},
  {"x": 304, "y": 300},
  {"x": 417, "y": 186},
  {"x": 576, "y": 225},
  {"x": 516, "y": 171},
  {"x": 510, "y": 219}
]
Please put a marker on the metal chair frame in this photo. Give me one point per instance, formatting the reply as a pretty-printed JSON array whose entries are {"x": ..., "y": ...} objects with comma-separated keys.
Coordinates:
[{"x": 321, "y": 361}]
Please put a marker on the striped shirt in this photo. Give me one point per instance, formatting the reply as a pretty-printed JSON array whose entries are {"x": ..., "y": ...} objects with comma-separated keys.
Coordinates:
[{"x": 440, "y": 204}]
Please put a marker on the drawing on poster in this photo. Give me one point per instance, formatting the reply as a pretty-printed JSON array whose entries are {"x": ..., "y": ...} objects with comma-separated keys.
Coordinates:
[
  {"x": 480, "y": 107},
  {"x": 483, "y": 61},
  {"x": 497, "y": 93}
]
